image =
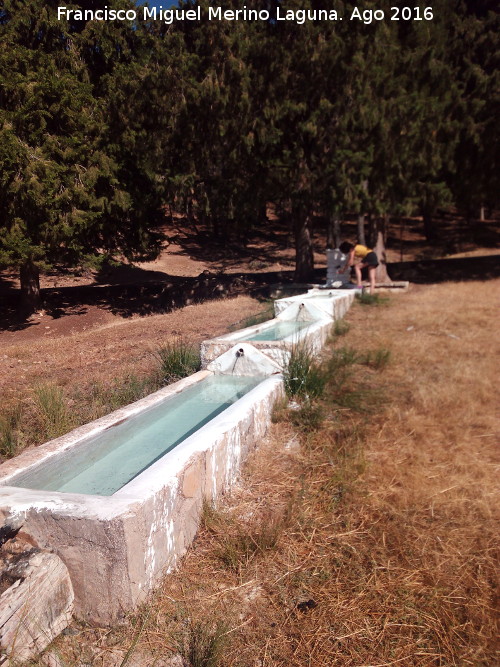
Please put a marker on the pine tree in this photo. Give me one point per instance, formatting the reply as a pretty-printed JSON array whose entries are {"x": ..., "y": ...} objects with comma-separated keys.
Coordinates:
[
  {"x": 208, "y": 170},
  {"x": 475, "y": 55},
  {"x": 66, "y": 195}
]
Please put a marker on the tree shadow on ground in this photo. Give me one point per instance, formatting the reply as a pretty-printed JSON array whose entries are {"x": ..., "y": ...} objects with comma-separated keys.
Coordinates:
[
  {"x": 260, "y": 249},
  {"x": 141, "y": 298},
  {"x": 147, "y": 297},
  {"x": 445, "y": 270},
  {"x": 127, "y": 274},
  {"x": 452, "y": 235}
]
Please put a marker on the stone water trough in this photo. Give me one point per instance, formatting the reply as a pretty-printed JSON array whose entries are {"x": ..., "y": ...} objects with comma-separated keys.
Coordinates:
[
  {"x": 331, "y": 303},
  {"x": 300, "y": 321},
  {"x": 117, "y": 543},
  {"x": 107, "y": 522}
]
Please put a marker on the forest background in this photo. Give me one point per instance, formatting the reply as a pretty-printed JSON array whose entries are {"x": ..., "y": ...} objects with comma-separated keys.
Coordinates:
[{"x": 107, "y": 127}]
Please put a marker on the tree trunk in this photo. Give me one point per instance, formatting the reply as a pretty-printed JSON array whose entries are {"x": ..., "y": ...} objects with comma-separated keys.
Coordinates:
[
  {"x": 189, "y": 208},
  {"x": 362, "y": 216},
  {"x": 429, "y": 227},
  {"x": 381, "y": 275},
  {"x": 401, "y": 238},
  {"x": 31, "y": 299},
  {"x": 263, "y": 213},
  {"x": 361, "y": 229},
  {"x": 333, "y": 231},
  {"x": 372, "y": 230},
  {"x": 337, "y": 231},
  {"x": 304, "y": 259}
]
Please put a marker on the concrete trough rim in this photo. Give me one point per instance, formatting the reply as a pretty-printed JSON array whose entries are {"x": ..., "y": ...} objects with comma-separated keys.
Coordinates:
[
  {"x": 35, "y": 456},
  {"x": 178, "y": 457},
  {"x": 312, "y": 295},
  {"x": 107, "y": 507},
  {"x": 117, "y": 546},
  {"x": 239, "y": 336},
  {"x": 291, "y": 338}
]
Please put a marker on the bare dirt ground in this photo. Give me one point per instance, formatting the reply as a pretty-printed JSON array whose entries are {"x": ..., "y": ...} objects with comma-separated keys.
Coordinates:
[{"x": 188, "y": 252}]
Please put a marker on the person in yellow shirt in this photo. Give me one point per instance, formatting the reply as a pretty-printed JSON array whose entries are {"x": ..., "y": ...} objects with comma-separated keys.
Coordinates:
[{"x": 360, "y": 257}]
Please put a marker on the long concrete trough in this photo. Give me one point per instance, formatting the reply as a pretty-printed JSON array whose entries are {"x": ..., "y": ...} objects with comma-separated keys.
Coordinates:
[
  {"x": 119, "y": 532},
  {"x": 116, "y": 547}
]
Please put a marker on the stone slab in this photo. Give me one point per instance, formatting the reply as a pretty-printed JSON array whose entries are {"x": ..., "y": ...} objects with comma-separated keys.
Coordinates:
[{"x": 37, "y": 607}]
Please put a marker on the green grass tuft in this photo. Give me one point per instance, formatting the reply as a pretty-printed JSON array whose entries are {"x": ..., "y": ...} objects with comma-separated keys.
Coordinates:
[
  {"x": 204, "y": 643},
  {"x": 52, "y": 410},
  {"x": 302, "y": 375},
  {"x": 340, "y": 328},
  {"x": 377, "y": 359},
  {"x": 128, "y": 390},
  {"x": 347, "y": 385},
  {"x": 252, "y": 320},
  {"x": 366, "y": 299},
  {"x": 9, "y": 431},
  {"x": 177, "y": 360},
  {"x": 308, "y": 417},
  {"x": 235, "y": 545}
]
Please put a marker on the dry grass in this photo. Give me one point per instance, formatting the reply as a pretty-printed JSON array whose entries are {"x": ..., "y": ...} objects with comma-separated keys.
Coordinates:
[
  {"x": 374, "y": 541},
  {"x": 106, "y": 349}
]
